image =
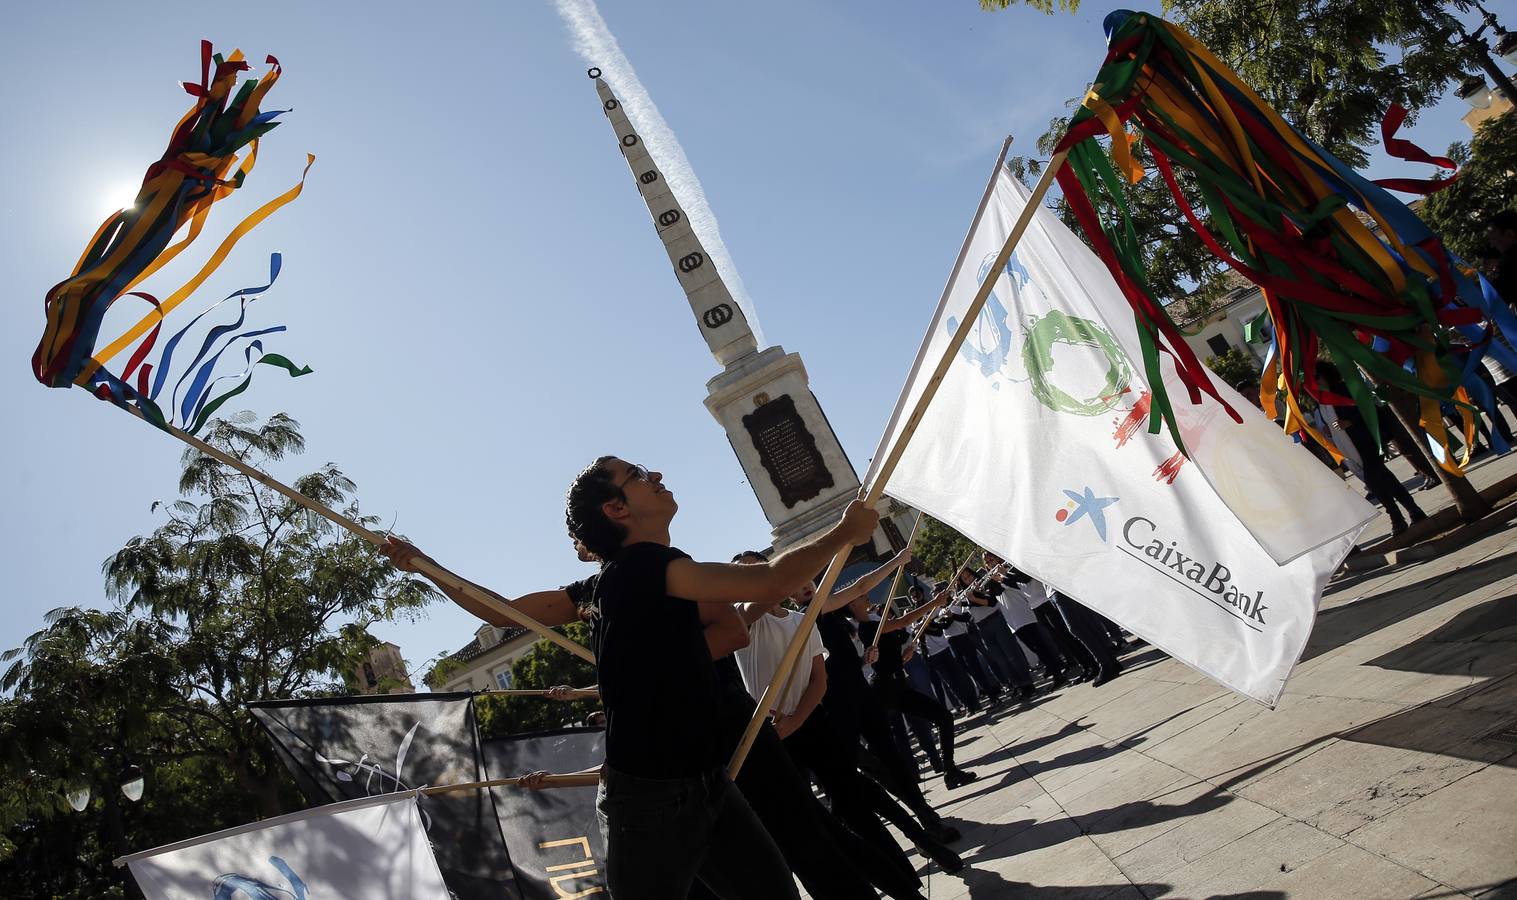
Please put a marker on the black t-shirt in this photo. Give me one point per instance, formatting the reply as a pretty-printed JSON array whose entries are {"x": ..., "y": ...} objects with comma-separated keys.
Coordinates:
[
  {"x": 892, "y": 645},
  {"x": 657, "y": 681},
  {"x": 582, "y": 592}
]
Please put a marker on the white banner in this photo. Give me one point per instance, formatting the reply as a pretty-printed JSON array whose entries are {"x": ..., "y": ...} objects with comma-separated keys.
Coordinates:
[
  {"x": 1037, "y": 447},
  {"x": 372, "y": 848}
]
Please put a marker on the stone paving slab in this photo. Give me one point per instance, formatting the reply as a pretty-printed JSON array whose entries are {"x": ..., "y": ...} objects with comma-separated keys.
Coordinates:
[{"x": 1378, "y": 777}]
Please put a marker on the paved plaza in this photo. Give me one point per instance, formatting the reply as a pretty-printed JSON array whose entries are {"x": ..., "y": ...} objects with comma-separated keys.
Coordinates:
[{"x": 1388, "y": 771}]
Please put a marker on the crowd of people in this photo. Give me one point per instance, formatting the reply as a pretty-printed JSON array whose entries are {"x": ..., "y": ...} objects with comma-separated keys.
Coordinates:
[{"x": 683, "y": 649}]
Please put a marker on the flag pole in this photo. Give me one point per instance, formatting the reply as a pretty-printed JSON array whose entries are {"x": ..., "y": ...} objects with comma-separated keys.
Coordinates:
[
  {"x": 876, "y": 488},
  {"x": 424, "y": 566},
  {"x": 895, "y": 583},
  {"x": 571, "y": 694},
  {"x": 573, "y": 779}
]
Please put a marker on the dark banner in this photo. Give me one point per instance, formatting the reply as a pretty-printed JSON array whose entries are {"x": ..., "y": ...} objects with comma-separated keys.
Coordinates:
[
  {"x": 349, "y": 747},
  {"x": 553, "y": 835}
]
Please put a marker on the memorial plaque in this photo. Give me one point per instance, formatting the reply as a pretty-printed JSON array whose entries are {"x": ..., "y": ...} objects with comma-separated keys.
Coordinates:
[{"x": 787, "y": 450}]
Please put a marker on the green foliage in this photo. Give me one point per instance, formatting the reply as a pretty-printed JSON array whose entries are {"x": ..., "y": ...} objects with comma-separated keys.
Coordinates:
[
  {"x": 942, "y": 550},
  {"x": 1044, "y": 6},
  {"x": 1329, "y": 67},
  {"x": 1487, "y": 184},
  {"x": 239, "y": 596},
  {"x": 546, "y": 665},
  {"x": 1236, "y": 368}
]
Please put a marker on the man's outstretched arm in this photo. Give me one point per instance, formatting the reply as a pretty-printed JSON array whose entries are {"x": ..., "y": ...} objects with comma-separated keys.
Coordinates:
[{"x": 548, "y": 607}]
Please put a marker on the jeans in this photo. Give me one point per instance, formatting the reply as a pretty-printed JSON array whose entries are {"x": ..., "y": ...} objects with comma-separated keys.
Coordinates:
[
  {"x": 664, "y": 833},
  {"x": 1002, "y": 650},
  {"x": 967, "y": 649},
  {"x": 945, "y": 663}
]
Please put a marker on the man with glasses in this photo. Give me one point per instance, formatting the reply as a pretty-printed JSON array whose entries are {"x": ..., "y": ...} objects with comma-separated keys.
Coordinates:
[{"x": 668, "y": 812}]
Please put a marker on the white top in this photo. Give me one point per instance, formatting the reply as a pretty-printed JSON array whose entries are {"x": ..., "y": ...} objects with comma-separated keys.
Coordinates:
[
  {"x": 1017, "y": 606},
  {"x": 953, "y": 627},
  {"x": 1037, "y": 592},
  {"x": 768, "y": 638},
  {"x": 936, "y": 643},
  {"x": 981, "y": 613}
]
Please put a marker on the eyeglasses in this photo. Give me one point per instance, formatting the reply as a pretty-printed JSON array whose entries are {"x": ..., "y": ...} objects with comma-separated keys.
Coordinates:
[{"x": 635, "y": 473}]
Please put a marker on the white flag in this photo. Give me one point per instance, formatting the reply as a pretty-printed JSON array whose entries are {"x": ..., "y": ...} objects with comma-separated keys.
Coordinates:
[
  {"x": 1037, "y": 447},
  {"x": 374, "y": 847}
]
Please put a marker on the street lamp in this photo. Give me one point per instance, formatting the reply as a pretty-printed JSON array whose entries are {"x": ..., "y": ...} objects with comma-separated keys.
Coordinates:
[
  {"x": 1474, "y": 92},
  {"x": 1506, "y": 46},
  {"x": 132, "y": 783}
]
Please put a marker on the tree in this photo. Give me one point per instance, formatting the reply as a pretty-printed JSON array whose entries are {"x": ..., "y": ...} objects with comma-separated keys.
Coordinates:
[
  {"x": 942, "y": 550},
  {"x": 545, "y": 665},
  {"x": 1487, "y": 184},
  {"x": 239, "y": 596},
  {"x": 1322, "y": 64},
  {"x": 1236, "y": 369}
]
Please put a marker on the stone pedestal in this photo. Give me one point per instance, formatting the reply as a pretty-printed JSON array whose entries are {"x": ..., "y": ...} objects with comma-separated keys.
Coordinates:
[{"x": 787, "y": 449}]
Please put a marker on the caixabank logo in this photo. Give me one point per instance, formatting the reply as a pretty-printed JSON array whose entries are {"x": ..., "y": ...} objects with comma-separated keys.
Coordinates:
[
  {"x": 1212, "y": 580},
  {"x": 1143, "y": 540}
]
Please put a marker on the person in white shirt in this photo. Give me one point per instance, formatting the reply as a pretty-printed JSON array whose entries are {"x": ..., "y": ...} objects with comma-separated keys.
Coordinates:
[
  {"x": 1017, "y": 607},
  {"x": 949, "y": 677},
  {"x": 1003, "y": 655}
]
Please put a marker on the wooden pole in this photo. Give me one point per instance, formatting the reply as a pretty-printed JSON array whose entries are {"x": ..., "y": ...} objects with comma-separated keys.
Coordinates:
[
  {"x": 575, "y": 779},
  {"x": 874, "y": 491},
  {"x": 424, "y": 566},
  {"x": 571, "y": 694},
  {"x": 895, "y": 583}
]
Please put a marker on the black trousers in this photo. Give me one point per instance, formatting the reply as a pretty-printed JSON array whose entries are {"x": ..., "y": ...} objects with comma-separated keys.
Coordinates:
[
  {"x": 662, "y": 834},
  {"x": 829, "y": 860},
  {"x": 968, "y": 650},
  {"x": 1083, "y": 625},
  {"x": 896, "y": 693},
  {"x": 1042, "y": 647},
  {"x": 1386, "y": 487},
  {"x": 857, "y": 713},
  {"x": 1058, "y": 631},
  {"x": 856, "y": 800}
]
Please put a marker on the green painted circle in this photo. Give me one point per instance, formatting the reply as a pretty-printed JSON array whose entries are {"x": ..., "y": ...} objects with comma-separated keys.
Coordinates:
[{"x": 1037, "y": 355}]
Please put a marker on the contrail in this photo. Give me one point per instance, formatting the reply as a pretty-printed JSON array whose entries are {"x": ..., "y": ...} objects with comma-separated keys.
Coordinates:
[{"x": 595, "y": 44}]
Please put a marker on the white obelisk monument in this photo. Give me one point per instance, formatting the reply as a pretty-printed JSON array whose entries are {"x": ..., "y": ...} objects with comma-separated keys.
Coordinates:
[{"x": 762, "y": 397}]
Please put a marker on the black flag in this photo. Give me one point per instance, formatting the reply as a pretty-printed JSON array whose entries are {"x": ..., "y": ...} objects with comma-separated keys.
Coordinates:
[
  {"x": 349, "y": 747},
  {"x": 554, "y": 838}
]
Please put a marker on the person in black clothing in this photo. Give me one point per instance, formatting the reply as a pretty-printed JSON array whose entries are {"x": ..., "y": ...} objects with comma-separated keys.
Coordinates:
[
  {"x": 830, "y": 860},
  {"x": 1501, "y": 234},
  {"x": 858, "y": 715},
  {"x": 809, "y": 736},
  {"x": 895, "y": 690},
  {"x": 667, "y": 809},
  {"x": 1380, "y": 481}
]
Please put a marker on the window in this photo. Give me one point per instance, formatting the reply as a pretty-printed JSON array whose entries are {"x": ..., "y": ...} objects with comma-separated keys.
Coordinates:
[
  {"x": 1218, "y": 344},
  {"x": 503, "y": 679},
  {"x": 368, "y": 675}
]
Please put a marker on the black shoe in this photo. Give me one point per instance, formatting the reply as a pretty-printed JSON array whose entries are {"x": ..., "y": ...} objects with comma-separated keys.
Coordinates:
[
  {"x": 1106, "y": 675},
  {"x": 957, "y": 778},
  {"x": 946, "y": 859}
]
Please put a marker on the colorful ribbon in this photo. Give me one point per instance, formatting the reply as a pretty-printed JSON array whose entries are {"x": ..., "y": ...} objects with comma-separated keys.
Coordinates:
[{"x": 1278, "y": 210}]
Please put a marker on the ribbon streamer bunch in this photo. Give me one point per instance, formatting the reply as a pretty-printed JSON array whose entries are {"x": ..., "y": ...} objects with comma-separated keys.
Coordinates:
[
  {"x": 1375, "y": 288},
  {"x": 200, "y": 167}
]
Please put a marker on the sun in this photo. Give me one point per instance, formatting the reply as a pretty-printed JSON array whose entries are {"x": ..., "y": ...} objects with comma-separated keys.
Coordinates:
[{"x": 119, "y": 195}]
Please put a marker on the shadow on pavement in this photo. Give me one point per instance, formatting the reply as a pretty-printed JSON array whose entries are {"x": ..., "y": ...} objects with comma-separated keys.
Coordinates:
[{"x": 1348, "y": 623}]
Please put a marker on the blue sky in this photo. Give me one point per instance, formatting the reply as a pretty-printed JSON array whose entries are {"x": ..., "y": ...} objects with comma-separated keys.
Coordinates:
[{"x": 471, "y": 272}]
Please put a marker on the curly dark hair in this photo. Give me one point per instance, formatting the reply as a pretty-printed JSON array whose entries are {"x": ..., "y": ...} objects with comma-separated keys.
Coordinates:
[{"x": 587, "y": 524}]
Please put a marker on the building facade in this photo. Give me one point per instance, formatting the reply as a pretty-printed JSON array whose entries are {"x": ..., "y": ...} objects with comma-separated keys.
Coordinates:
[
  {"x": 384, "y": 672},
  {"x": 483, "y": 664}
]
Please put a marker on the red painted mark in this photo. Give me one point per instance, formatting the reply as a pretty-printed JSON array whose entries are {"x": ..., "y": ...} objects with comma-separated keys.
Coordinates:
[
  {"x": 1129, "y": 426},
  {"x": 1061, "y": 515},
  {"x": 1169, "y": 470}
]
